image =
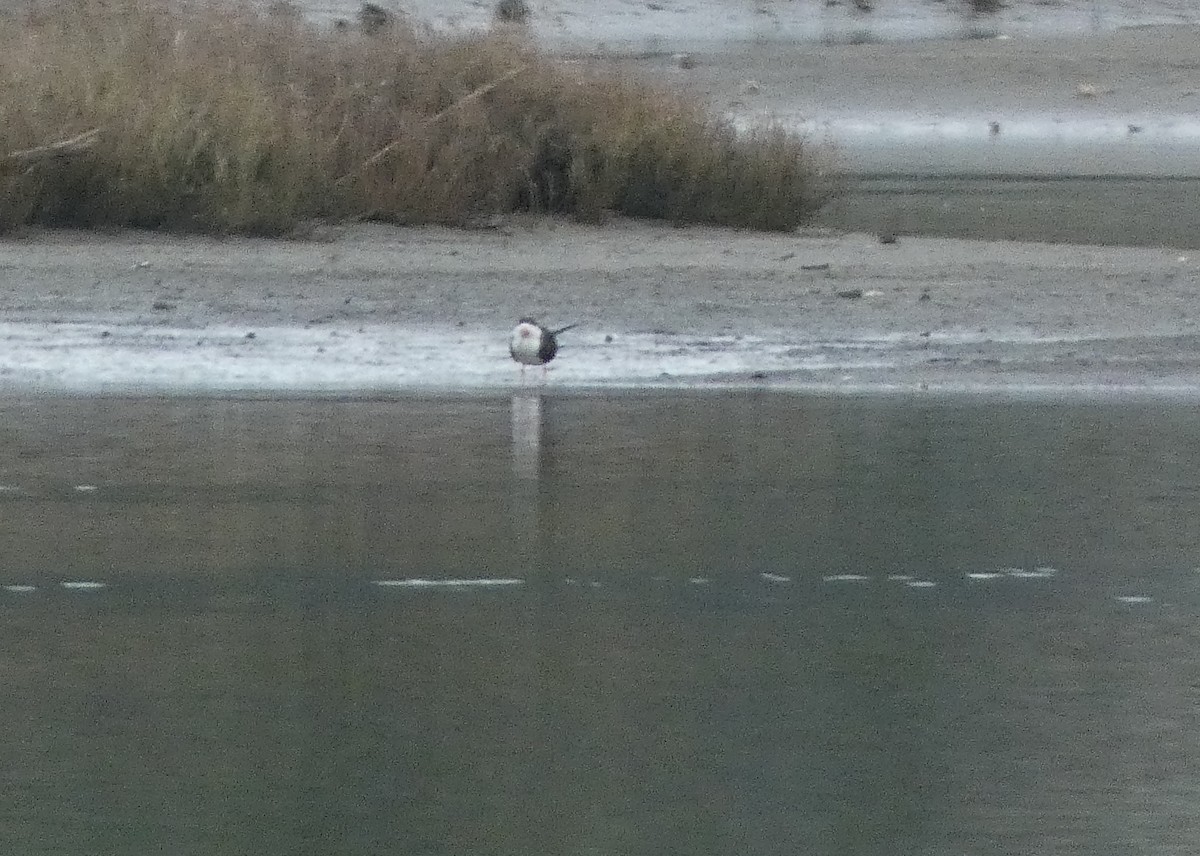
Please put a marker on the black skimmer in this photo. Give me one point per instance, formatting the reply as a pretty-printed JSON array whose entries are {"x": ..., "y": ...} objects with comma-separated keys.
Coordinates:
[{"x": 534, "y": 345}]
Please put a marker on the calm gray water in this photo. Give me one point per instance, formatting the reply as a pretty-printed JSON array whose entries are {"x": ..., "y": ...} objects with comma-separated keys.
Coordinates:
[
  {"x": 736, "y": 624},
  {"x": 1114, "y": 211}
]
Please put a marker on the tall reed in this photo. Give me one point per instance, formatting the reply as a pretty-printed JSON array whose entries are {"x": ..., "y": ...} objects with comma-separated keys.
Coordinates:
[{"x": 219, "y": 118}]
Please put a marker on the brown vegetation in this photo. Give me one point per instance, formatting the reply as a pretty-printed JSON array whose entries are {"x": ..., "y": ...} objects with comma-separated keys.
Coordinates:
[{"x": 224, "y": 119}]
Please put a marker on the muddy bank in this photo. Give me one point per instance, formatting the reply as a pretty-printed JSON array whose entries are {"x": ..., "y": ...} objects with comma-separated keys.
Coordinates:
[
  {"x": 1136, "y": 72},
  {"x": 381, "y": 309}
]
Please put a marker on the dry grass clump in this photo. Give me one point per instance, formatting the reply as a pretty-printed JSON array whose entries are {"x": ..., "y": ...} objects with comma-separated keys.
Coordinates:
[{"x": 225, "y": 119}]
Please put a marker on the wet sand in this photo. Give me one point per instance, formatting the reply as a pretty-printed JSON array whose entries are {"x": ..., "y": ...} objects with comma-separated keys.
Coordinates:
[
  {"x": 1080, "y": 140},
  {"x": 1117, "y": 104},
  {"x": 382, "y": 309}
]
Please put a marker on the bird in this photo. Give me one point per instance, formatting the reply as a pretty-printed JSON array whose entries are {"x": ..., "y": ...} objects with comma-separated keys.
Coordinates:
[{"x": 534, "y": 345}]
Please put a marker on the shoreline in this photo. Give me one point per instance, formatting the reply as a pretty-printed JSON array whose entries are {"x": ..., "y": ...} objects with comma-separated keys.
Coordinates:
[
  {"x": 381, "y": 311},
  {"x": 1119, "y": 104}
]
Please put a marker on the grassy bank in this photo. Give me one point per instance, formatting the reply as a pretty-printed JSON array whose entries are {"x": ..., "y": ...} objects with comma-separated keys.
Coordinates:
[{"x": 222, "y": 119}]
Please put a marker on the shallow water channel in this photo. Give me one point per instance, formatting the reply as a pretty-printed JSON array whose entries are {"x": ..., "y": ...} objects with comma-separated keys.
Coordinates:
[
  {"x": 1110, "y": 211},
  {"x": 630, "y": 624}
]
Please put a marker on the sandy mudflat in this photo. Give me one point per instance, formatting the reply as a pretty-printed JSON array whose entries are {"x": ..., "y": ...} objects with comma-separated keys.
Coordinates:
[
  {"x": 1143, "y": 71},
  {"x": 1122, "y": 103},
  {"x": 381, "y": 309}
]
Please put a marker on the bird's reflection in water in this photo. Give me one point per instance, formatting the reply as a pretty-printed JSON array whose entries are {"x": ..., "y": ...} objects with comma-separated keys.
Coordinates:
[
  {"x": 527, "y": 467},
  {"x": 526, "y": 434}
]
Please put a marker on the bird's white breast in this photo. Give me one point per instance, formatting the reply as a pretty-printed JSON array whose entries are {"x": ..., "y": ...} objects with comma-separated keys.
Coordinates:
[{"x": 525, "y": 343}]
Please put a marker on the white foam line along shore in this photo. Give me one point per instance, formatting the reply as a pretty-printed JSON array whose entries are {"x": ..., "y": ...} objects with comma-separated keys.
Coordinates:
[
  {"x": 1024, "y": 145},
  {"x": 666, "y": 27},
  {"x": 92, "y": 358}
]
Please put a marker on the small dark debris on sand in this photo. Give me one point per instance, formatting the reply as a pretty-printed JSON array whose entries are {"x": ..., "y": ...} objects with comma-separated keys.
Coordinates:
[
  {"x": 373, "y": 18},
  {"x": 512, "y": 12}
]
